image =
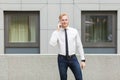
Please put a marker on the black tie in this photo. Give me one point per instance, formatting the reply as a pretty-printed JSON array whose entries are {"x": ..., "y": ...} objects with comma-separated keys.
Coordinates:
[{"x": 66, "y": 43}]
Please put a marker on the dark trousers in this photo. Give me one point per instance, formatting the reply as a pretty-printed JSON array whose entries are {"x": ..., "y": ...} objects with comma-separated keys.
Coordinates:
[{"x": 72, "y": 63}]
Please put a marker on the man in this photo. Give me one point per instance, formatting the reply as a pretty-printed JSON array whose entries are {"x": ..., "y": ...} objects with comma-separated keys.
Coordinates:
[{"x": 68, "y": 39}]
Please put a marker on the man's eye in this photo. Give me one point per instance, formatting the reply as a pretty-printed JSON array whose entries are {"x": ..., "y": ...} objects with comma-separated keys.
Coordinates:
[{"x": 65, "y": 19}]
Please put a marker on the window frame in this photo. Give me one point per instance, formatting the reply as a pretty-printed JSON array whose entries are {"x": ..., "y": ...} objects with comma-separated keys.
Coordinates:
[
  {"x": 35, "y": 44},
  {"x": 114, "y": 29}
]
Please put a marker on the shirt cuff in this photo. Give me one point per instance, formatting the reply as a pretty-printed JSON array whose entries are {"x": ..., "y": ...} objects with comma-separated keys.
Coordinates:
[{"x": 83, "y": 60}]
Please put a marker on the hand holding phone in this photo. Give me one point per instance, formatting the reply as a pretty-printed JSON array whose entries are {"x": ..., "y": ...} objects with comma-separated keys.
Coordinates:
[{"x": 59, "y": 26}]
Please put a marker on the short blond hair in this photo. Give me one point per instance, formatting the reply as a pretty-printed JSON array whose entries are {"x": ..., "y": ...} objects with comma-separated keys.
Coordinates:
[{"x": 62, "y": 14}]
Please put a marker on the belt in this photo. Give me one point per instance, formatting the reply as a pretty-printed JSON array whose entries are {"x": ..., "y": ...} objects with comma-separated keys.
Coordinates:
[{"x": 68, "y": 57}]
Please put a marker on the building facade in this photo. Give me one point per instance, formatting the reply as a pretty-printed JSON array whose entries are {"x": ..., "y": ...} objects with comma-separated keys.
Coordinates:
[{"x": 26, "y": 27}]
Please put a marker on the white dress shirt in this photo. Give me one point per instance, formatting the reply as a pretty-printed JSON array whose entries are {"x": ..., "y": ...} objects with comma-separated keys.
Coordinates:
[{"x": 58, "y": 37}]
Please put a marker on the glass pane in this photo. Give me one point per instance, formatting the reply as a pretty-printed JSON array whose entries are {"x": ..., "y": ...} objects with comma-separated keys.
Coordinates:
[
  {"x": 22, "y": 29},
  {"x": 33, "y": 26},
  {"x": 98, "y": 28}
]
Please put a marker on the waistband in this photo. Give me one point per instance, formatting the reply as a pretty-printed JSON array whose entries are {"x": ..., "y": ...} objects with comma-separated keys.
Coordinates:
[{"x": 70, "y": 56}]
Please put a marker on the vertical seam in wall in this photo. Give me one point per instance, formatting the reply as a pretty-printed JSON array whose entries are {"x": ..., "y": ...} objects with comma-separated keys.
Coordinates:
[
  {"x": 60, "y": 6},
  {"x": 21, "y": 5},
  {"x": 1, "y": 9},
  {"x": 47, "y": 25},
  {"x": 73, "y": 13},
  {"x": 99, "y": 4},
  {"x": 117, "y": 46}
]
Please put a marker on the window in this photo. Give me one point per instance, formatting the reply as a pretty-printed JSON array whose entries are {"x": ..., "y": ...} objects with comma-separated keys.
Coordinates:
[
  {"x": 99, "y": 29},
  {"x": 21, "y": 30}
]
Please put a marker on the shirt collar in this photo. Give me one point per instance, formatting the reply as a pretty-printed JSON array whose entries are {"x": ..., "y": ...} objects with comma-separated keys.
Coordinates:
[{"x": 65, "y": 28}]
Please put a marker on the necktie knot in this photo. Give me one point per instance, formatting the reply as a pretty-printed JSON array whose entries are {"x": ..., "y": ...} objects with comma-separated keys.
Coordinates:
[{"x": 65, "y": 30}]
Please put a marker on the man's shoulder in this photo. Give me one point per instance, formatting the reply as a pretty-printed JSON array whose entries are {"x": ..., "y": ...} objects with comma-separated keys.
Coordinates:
[
  {"x": 55, "y": 32},
  {"x": 73, "y": 29}
]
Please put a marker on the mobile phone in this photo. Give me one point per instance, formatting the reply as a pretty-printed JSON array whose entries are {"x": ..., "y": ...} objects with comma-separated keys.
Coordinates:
[{"x": 59, "y": 25}]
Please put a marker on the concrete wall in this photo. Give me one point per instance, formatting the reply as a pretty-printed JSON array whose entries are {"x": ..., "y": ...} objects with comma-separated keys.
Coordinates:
[{"x": 44, "y": 66}]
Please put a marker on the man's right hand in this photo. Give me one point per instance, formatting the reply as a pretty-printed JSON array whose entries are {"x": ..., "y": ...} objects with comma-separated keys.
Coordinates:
[{"x": 58, "y": 26}]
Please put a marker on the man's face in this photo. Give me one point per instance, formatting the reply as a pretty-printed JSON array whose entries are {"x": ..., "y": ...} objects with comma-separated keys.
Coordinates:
[{"x": 64, "y": 21}]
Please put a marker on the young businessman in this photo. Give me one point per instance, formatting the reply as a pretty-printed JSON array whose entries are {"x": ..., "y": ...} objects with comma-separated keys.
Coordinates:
[{"x": 68, "y": 40}]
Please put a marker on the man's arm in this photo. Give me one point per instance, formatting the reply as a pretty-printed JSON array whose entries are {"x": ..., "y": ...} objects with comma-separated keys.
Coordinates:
[
  {"x": 53, "y": 39},
  {"x": 81, "y": 51},
  {"x": 80, "y": 47}
]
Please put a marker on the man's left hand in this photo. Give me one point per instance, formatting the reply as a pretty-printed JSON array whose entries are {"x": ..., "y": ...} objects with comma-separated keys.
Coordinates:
[{"x": 83, "y": 65}]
